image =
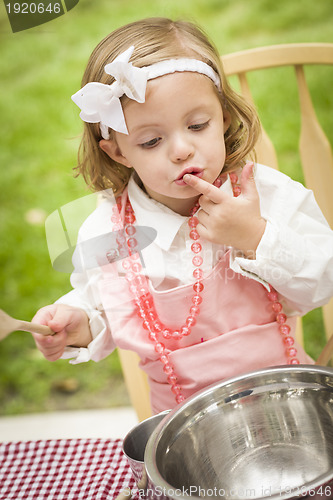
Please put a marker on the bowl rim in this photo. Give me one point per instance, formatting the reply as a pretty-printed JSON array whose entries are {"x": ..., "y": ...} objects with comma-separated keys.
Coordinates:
[
  {"x": 155, "y": 479},
  {"x": 136, "y": 428}
]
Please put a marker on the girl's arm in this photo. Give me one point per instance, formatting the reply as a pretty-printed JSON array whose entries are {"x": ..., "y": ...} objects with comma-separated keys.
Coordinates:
[
  {"x": 78, "y": 317},
  {"x": 294, "y": 252}
]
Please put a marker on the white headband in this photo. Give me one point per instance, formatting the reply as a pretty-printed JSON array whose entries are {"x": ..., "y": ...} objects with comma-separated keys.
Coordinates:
[{"x": 100, "y": 103}]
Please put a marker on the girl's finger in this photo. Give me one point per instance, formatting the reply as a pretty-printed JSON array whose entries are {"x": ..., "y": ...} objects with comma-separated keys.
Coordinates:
[
  {"x": 44, "y": 315},
  {"x": 49, "y": 341},
  {"x": 204, "y": 187}
]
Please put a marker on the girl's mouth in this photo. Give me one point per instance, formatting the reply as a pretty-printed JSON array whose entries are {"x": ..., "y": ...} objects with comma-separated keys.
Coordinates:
[{"x": 197, "y": 171}]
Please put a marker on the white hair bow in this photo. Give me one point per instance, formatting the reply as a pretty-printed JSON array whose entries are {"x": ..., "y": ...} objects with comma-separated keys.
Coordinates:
[{"x": 101, "y": 103}]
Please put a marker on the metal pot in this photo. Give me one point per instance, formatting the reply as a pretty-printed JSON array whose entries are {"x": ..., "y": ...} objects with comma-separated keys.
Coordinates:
[{"x": 266, "y": 434}]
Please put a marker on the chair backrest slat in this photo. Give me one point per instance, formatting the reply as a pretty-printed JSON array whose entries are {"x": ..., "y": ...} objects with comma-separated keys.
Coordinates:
[
  {"x": 315, "y": 150},
  {"x": 265, "y": 150},
  {"x": 278, "y": 55}
]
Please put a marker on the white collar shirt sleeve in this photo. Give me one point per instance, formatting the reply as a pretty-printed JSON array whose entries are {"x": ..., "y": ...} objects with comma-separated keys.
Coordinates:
[{"x": 295, "y": 254}]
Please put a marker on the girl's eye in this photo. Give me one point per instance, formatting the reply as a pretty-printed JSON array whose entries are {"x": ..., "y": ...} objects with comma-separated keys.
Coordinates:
[
  {"x": 151, "y": 143},
  {"x": 199, "y": 126}
]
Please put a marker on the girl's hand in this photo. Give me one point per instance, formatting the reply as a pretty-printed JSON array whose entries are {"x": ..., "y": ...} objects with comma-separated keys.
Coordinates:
[
  {"x": 227, "y": 220},
  {"x": 71, "y": 325}
]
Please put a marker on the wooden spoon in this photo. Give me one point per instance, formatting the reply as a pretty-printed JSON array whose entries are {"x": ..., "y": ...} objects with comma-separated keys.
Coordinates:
[{"x": 9, "y": 325}]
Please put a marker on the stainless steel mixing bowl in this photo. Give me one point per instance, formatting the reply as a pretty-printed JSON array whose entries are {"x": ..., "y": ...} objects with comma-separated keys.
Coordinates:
[{"x": 267, "y": 434}]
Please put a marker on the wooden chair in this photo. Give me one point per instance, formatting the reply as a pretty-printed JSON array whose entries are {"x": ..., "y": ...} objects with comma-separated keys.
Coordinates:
[
  {"x": 314, "y": 149},
  {"x": 136, "y": 382}
]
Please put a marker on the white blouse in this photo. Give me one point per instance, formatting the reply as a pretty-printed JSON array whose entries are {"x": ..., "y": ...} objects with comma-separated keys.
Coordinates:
[{"x": 295, "y": 254}]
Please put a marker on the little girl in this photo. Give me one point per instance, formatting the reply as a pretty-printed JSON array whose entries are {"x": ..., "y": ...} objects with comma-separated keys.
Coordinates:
[{"x": 214, "y": 256}]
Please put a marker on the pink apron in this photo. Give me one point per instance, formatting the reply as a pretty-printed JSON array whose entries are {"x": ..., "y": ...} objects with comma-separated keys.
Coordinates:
[{"x": 236, "y": 331}]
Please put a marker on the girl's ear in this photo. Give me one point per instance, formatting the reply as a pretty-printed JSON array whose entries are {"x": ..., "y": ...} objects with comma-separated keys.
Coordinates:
[{"x": 111, "y": 148}]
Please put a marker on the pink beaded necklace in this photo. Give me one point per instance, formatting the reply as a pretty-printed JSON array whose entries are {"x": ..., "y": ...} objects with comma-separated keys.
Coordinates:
[{"x": 138, "y": 285}]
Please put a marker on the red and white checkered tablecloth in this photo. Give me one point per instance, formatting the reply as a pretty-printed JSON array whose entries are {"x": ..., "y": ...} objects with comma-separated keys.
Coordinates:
[{"x": 64, "y": 469}]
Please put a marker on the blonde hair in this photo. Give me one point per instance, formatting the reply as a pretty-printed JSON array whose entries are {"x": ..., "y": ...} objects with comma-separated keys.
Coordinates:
[{"x": 157, "y": 39}]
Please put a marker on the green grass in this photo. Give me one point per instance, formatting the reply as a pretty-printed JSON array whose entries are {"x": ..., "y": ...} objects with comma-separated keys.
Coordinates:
[{"x": 40, "y": 127}]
